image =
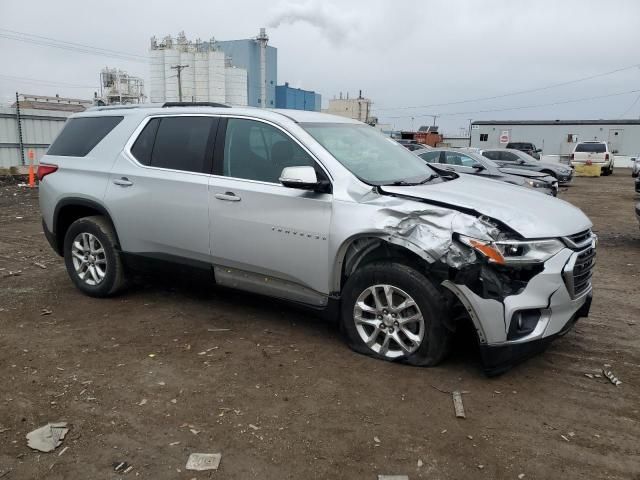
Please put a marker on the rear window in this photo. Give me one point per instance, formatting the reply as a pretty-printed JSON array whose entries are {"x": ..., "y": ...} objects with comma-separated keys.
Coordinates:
[
  {"x": 519, "y": 146},
  {"x": 80, "y": 135},
  {"x": 591, "y": 147}
]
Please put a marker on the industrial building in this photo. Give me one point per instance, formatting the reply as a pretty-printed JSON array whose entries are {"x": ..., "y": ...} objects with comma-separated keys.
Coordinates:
[
  {"x": 118, "y": 87},
  {"x": 31, "y": 124},
  {"x": 261, "y": 63},
  {"x": 357, "y": 108},
  {"x": 181, "y": 70},
  {"x": 557, "y": 138},
  {"x": 297, "y": 99}
]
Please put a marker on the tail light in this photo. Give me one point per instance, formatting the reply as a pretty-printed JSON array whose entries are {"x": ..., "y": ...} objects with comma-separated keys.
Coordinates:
[
  {"x": 606, "y": 156},
  {"x": 44, "y": 170}
]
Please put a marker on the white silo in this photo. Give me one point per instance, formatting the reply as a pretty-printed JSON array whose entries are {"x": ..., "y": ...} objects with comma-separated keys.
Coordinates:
[
  {"x": 187, "y": 60},
  {"x": 201, "y": 73},
  {"x": 216, "y": 77},
  {"x": 236, "y": 86},
  {"x": 171, "y": 58},
  {"x": 156, "y": 74}
]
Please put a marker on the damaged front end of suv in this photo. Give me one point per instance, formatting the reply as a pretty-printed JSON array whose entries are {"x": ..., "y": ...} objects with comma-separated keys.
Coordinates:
[{"x": 520, "y": 293}]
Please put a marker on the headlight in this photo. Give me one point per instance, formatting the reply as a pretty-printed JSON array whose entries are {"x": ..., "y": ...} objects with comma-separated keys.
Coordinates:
[
  {"x": 536, "y": 184},
  {"x": 510, "y": 252}
]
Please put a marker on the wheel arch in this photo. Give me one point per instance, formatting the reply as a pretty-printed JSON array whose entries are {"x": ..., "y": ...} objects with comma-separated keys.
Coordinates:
[
  {"x": 70, "y": 209},
  {"x": 362, "y": 249}
]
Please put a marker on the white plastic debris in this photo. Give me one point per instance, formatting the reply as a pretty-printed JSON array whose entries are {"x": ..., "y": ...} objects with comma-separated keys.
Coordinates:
[
  {"x": 47, "y": 438},
  {"x": 457, "y": 405},
  {"x": 203, "y": 461},
  {"x": 611, "y": 377}
]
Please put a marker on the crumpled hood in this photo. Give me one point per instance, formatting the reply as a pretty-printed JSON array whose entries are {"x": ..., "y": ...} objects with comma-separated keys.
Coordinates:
[
  {"x": 532, "y": 214},
  {"x": 521, "y": 172}
]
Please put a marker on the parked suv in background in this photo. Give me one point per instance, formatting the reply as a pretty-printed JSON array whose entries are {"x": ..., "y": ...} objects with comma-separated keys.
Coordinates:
[
  {"x": 515, "y": 158},
  {"x": 473, "y": 164},
  {"x": 321, "y": 210},
  {"x": 594, "y": 153},
  {"x": 528, "y": 148}
]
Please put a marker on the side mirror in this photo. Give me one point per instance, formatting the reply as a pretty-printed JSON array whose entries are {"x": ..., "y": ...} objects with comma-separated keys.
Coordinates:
[
  {"x": 478, "y": 167},
  {"x": 303, "y": 178},
  {"x": 538, "y": 150},
  {"x": 521, "y": 162}
]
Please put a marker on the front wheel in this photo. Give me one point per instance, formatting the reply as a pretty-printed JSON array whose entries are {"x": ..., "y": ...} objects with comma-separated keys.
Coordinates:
[
  {"x": 392, "y": 312},
  {"x": 93, "y": 262}
]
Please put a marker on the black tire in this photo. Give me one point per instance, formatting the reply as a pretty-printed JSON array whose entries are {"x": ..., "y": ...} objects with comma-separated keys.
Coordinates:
[
  {"x": 114, "y": 278},
  {"x": 437, "y": 339}
]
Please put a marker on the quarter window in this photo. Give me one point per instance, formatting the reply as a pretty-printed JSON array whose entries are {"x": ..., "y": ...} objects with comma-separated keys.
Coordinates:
[
  {"x": 508, "y": 157},
  {"x": 144, "y": 144},
  {"x": 258, "y": 151},
  {"x": 80, "y": 135}
]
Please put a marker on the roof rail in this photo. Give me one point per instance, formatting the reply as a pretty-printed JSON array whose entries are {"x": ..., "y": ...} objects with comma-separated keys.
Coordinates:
[
  {"x": 122, "y": 107},
  {"x": 195, "y": 104}
]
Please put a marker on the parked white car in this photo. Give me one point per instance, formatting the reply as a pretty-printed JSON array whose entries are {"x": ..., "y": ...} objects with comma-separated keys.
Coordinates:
[
  {"x": 635, "y": 166},
  {"x": 594, "y": 153}
]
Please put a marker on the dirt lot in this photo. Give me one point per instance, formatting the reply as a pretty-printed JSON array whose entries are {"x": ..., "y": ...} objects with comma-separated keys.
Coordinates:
[{"x": 146, "y": 378}]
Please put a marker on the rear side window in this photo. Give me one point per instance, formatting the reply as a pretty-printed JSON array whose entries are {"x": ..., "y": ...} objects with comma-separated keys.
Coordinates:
[
  {"x": 177, "y": 143},
  {"x": 591, "y": 147},
  {"x": 80, "y": 135}
]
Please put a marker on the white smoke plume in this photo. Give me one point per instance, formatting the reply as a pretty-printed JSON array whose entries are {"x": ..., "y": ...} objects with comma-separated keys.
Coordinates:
[{"x": 336, "y": 24}]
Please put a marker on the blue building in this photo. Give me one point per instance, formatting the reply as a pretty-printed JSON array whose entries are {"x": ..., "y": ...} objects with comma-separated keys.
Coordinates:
[
  {"x": 297, "y": 99},
  {"x": 246, "y": 54}
]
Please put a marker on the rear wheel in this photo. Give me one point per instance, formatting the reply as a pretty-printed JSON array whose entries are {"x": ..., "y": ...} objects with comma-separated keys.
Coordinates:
[
  {"x": 393, "y": 312},
  {"x": 92, "y": 260}
]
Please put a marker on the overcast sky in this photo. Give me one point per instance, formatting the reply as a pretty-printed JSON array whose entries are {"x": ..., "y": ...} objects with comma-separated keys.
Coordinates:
[{"x": 400, "y": 53}]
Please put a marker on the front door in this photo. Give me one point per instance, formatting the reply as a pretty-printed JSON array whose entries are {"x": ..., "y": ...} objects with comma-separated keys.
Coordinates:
[
  {"x": 266, "y": 237},
  {"x": 158, "y": 189}
]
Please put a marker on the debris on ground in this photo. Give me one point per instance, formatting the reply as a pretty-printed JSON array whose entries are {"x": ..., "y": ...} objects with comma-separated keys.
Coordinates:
[
  {"x": 142, "y": 402},
  {"x": 420, "y": 463},
  {"x": 588, "y": 375},
  {"x": 521, "y": 476},
  {"x": 611, "y": 377},
  {"x": 457, "y": 404},
  {"x": 41, "y": 265},
  {"x": 203, "y": 461},
  {"x": 122, "y": 467},
  {"x": 218, "y": 329},
  {"x": 47, "y": 438},
  {"x": 62, "y": 451},
  {"x": 376, "y": 439},
  {"x": 393, "y": 477},
  {"x": 564, "y": 438},
  {"x": 45, "y": 311}
]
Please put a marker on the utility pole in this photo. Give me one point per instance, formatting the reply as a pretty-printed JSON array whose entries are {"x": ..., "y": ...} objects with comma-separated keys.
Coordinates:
[
  {"x": 179, "y": 68},
  {"x": 19, "y": 129},
  {"x": 470, "y": 120},
  {"x": 434, "y": 119}
]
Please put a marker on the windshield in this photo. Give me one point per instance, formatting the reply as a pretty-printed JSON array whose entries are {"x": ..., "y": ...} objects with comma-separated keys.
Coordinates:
[
  {"x": 591, "y": 148},
  {"x": 368, "y": 154}
]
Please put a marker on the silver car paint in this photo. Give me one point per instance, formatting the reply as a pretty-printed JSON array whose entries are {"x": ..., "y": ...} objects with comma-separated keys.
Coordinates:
[{"x": 295, "y": 244}]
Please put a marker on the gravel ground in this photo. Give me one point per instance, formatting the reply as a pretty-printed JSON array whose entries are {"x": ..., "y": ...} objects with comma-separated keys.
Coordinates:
[{"x": 154, "y": 375}]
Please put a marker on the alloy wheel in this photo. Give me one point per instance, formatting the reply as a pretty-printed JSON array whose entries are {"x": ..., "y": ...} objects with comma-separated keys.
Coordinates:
[
  {"x": 389, "y": 321},
  {"x": 89, "y": 258}
]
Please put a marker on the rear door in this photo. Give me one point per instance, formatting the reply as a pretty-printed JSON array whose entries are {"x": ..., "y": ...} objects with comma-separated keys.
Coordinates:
[
  {"x": 158, "y": 189},
  {"x": 267, "y": 237}
]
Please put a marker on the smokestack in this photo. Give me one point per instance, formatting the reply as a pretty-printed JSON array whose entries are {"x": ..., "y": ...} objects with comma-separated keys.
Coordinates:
[{"x": 262, "y": 41}]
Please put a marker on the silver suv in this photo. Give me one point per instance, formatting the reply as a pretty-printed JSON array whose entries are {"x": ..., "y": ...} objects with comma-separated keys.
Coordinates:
[{"x": 320, "y": 210}]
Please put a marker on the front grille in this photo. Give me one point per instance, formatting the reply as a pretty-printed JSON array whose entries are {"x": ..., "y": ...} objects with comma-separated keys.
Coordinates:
[
  {"x": 579, "y": 240},
  {"x": 583, "y": 270}
]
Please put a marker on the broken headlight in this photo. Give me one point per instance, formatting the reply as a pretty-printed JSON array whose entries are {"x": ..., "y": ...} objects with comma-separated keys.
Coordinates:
[{"x": 514, "y": 252}]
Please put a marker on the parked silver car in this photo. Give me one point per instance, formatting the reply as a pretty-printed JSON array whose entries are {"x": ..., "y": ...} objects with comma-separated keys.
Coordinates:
[
  {"x": 321, "y": 210},
  {"x": 474, "y": 164},
  {"x": 506, "y": 157}
]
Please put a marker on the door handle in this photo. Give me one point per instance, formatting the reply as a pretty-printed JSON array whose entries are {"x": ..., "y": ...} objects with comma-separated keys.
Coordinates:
[
  {"x": 228, "y": 196},
  {"x": 123, "y": 182}
]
